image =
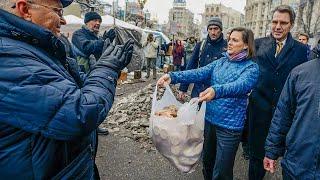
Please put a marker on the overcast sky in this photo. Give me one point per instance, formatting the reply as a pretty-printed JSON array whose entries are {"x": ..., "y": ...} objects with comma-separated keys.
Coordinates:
[{"x": 160, "y": 8}]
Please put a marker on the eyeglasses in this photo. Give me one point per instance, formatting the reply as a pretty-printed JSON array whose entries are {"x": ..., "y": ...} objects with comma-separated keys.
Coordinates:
[{"x": 58, "y": 11}]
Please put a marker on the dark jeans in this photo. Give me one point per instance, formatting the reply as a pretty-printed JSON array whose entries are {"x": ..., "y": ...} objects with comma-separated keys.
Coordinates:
[
  {"x": 226, "y": 143},
  {"x": 162, "y": 60},
  {"x": 256, "y": 169},
  {"x": 209, "y": 150},
  {"x": 227, "y": 146},
  {"x": 151, "y": 63}
]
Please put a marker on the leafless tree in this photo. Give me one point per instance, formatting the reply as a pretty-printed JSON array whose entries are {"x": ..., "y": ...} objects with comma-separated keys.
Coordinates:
[
  {"x": 305, "y": 8},
  {"x": 317, "y": 25},
  {"x": 90, "y": 5}
]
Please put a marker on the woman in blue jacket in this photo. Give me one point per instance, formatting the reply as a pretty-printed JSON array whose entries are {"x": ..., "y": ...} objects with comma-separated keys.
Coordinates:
[{"x": 231, "y": 77}]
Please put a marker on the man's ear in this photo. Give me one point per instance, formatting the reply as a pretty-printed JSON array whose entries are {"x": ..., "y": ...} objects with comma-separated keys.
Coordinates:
[{"x": 22, "y": 10}]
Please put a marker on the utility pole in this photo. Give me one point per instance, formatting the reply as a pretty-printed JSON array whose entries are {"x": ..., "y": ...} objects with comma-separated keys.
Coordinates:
[
  {"x": 125, "y": 11},
  {"x": 173, "y": 19},
  {"x": 114, "y": 14}
]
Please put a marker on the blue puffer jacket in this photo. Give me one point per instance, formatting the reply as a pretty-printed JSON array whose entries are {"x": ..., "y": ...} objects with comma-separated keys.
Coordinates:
[
  {"x": 232, "y": 81},
  {"x": 294, "y": 131},
  {"x": 48, "y": 113},
  {"x": 211, "y": 51}
]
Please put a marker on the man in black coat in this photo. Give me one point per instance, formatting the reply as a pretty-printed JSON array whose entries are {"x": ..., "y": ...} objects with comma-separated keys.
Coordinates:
[
  {"x": 276, "y": 56},
  {"x": 86, "y": 42}
]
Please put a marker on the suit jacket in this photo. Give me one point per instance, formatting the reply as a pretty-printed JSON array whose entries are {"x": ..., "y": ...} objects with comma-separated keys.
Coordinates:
[{"x": 264, "y": 97}]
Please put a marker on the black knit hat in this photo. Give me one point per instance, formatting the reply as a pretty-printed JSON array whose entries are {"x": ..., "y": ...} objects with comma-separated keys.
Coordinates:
[
  {"x": 215, "y": 21},
  {"x": 91, "y": 16}
]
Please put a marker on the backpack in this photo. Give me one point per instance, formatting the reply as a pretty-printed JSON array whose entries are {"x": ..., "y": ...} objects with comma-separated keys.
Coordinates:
[
  {"x": 82, "y": 59},
  {"x": 201, "y": 49}
]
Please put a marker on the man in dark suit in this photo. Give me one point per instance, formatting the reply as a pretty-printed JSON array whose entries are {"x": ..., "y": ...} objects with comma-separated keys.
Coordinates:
[{"x": 276, "y": 56}]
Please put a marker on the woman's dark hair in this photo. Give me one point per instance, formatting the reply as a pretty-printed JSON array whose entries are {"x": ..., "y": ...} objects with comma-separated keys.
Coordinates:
[{"x": 247, "y": 38}]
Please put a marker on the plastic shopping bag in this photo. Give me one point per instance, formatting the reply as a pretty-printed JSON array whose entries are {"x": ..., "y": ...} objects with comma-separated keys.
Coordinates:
[{"x": 179, "y": 139}]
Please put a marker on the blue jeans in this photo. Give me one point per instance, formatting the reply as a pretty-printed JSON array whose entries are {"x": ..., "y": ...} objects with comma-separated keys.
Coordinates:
[{"x": 227, "y": 146}]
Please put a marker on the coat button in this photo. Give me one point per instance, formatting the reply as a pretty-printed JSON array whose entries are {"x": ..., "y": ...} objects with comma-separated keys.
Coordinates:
[
  {"x": 275, "y": 90},
  {"x": 35, "y": 41}
]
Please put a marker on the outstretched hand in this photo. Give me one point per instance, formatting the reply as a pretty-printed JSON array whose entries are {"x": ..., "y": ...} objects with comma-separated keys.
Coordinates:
[
  {"x": 164, "y": 80},
  {"x": 111, "y": 34},
  {"x": 207, "y": 95},
  {"x": 117, "y": 57}
]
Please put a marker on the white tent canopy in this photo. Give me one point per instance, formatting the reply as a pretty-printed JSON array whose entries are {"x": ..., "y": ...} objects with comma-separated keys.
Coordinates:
[
  {"x": 72, "y": 19},
  {"x": 108, "y": 20}
]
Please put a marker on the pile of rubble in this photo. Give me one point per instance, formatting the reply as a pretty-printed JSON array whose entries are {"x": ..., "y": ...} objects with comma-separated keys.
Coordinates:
[{"x": 129, "y": 116}]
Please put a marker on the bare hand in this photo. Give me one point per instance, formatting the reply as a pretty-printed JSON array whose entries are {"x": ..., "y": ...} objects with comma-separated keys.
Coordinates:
[
  {"x": 164, "y": 80},
  {"x": 207, "y": 95},
  {"x": 182, "y": 95},
  {"x": 269, "y": 164}
]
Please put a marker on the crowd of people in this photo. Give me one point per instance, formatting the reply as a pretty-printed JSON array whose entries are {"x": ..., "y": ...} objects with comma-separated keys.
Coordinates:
[
  {"x": 263, "y": 92},
  {"x": 54, "y": 93}
]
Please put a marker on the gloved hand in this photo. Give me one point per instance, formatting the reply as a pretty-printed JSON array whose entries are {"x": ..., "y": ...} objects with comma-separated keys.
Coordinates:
[
  {"x": 116, "y": 57},
  {"x": 111, "y": 34}
]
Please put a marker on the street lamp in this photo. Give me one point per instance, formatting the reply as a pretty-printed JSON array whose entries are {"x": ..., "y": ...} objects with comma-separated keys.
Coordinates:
[{"x": 125, "y": 11}]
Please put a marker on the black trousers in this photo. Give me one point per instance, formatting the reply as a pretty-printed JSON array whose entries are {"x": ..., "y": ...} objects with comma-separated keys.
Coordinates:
[{"x": 256, "y": 169}]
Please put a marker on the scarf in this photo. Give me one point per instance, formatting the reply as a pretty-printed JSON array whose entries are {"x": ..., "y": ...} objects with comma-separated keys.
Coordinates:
[{"x": 239, "y": 56}]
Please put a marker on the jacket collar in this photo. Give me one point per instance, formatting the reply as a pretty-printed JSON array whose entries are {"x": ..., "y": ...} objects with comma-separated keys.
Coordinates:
[
  {"x": 270, "y": 46},
  {"x": 281, "y": 58},
  {"x": 14, "y": 27},
  {"x": 213, "y": 42},
  {"x": 85, "y": 28}
]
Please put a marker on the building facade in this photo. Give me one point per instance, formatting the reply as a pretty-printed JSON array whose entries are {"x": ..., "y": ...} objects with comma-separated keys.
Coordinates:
[
  {"x": 230, "y": 18},
  {"x": 258, "y": 15},
  {"x": 181, "y": 20}
]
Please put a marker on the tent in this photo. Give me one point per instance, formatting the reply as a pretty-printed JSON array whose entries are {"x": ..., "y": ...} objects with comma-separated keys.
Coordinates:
[
  {"x": 72, "y": 19},
  {"x": 108, "y": 20},
  {"x": 157, "y": 34},
  {"x": 124, "y": 31}
]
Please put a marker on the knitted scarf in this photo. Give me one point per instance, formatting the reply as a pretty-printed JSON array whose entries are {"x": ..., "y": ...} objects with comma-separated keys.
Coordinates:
[{"x": 239, "y": 56}]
